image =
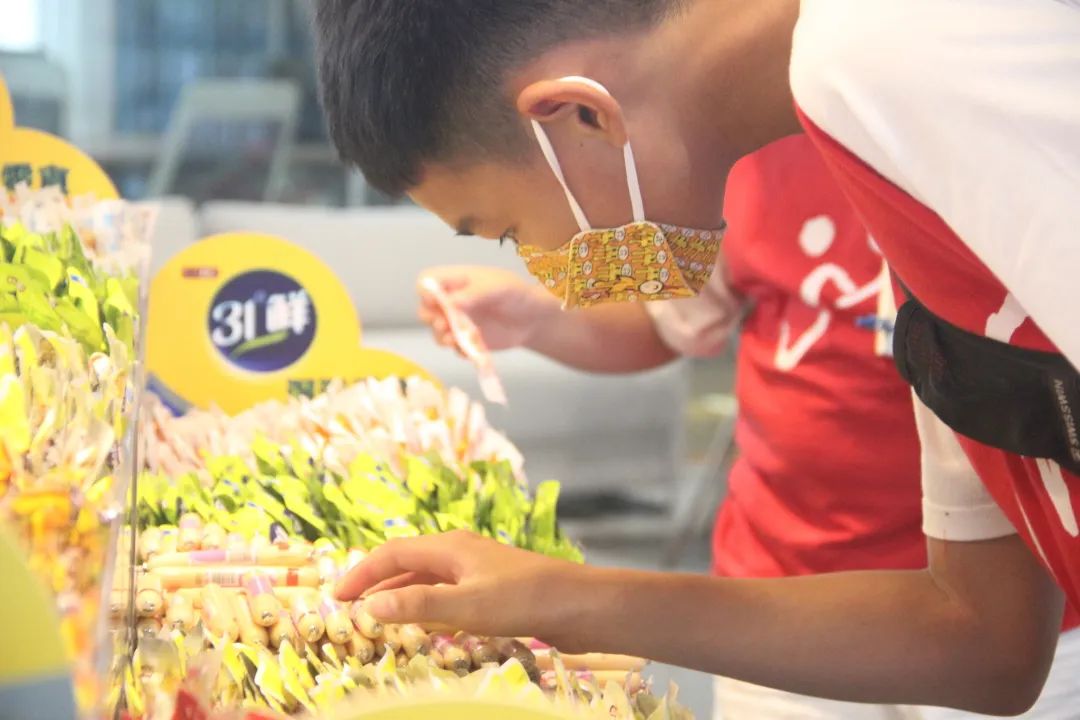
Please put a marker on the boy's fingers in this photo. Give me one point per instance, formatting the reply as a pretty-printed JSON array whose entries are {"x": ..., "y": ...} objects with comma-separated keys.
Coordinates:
[
  {"x": 427, "y": 555},
  {"x": 424, "y": 604},
  {"x": 412, "y": 578}
]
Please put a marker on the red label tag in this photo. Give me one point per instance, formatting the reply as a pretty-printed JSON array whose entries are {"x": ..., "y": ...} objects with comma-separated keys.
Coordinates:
[
  {"x": 189, "y": 708},
  {"x": 200, "y": 273}
]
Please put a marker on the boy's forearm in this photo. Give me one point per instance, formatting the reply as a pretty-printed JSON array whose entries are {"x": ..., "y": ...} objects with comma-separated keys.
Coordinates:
[
  {"x": 884, "y": 637},
  {"x": 602, "y": 339}
]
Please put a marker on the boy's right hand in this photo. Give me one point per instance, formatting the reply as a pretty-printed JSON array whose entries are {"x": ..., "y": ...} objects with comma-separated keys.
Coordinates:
[{"x": 507, "y": 309}]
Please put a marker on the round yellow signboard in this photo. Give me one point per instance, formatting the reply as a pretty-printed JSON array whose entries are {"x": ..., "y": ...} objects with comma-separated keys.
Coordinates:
[
  {"x": 38, "y": 159},
  {"x": 240, "y": 318}
]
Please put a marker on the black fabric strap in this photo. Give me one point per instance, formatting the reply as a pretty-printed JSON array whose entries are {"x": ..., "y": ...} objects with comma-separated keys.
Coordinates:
[{"x": 1023, "y": 401}]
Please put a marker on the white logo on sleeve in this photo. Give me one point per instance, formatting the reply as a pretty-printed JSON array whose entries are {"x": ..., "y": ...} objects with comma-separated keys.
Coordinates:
[{"x": 816, "y": 239}]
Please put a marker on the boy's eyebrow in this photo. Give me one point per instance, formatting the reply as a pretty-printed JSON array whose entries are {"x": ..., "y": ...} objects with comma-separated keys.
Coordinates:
[{"x": 465, "y": 226}]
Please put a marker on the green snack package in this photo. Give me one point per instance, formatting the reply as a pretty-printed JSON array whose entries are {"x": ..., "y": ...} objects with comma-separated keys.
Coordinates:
[
  {"x": 170, "y": 503},
  {"x": 46, "y": 265},
  {"x": 336, "y": 498},
  {"x": 252, "y": 521},
  {"x": 507, "y": 517},
  {"x": 81, "y": 294},
  {"x": 542, "y": 520},
  {"x": 119, "y": 313},
  {"x": 227, "y": 495},
  {"x": 267, "y": 456},
  {"x": 399, "y": 527},
  {"x": 14, "y": 428},
  {"x": 81, "y": 325},
  {"x": 423, "y": 480},
  {"x": 300, "y": 507},
  {"x": 378, "y": 491},
  {"x": 275, "y": 509},
  {"x": 70, "y": 250},
  {"x": 285, "y": 485},
  {"x": 448, "y": 522},
  {"x": 17, "y": 278}
]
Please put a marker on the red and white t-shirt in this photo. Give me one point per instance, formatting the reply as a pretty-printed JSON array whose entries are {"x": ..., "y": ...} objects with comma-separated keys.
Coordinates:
[
  {"x": 954, "y": 127},
  {"x": 827, "y": 477}
]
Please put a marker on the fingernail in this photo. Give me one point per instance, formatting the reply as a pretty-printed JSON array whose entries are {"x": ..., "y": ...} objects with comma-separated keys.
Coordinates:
[
  {"x": 382, "y": 605},
  {"x": 340, "y": 593}
]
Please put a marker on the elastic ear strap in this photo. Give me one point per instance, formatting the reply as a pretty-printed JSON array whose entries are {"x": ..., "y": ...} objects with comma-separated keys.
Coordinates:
[
  {"x": 636, "y": 202},
  {"x": 553, "y": 162},
  {"x": 632, "y": 183}
]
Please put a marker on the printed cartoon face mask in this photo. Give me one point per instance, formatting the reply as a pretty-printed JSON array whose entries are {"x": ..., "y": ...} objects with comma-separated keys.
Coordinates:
[{"x": 640, "y": 261}]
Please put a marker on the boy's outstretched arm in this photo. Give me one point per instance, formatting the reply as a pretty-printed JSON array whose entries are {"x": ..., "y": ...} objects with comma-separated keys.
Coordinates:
[
  {"x": 629, "y": 337},
  {"x": 976, "y": 631}
]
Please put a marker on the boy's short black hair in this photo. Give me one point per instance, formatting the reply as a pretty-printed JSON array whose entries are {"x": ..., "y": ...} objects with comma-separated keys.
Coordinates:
[{"x": 406, "y": 82}]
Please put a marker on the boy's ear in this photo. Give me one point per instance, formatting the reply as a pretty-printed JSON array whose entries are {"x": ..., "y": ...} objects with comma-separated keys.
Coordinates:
[{"x": 592, "y": 111}]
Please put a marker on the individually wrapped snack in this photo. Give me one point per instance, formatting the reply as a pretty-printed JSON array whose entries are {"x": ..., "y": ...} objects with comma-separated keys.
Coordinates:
[
  {"x": 180, "y": 613},
  {"x": 481, "y": 651},
  {"x": 264, "y": 605},
  {"x": 149, "y": 597},
  {"x": 250, "y": 633},
  {"x": 306, "y": 617},
  {"x": 284, "y": 631},
  {"x": 368, "y": 626},
  {"x": 415, "y": 640},
  {"x": 189, "y": 535},
  {"x": 218, "y": 613},
  {"x": 339, "y": 627},
  {"x": 452, "y": 656}
]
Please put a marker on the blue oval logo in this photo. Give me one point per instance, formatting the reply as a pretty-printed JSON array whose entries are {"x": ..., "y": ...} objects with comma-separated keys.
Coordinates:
[{"x": 262, "y": 321}]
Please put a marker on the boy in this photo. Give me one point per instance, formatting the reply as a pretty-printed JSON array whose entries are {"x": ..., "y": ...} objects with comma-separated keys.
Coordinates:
[
  {"x": 798, "y": 264},
  {"x": 954, "y": 128}
]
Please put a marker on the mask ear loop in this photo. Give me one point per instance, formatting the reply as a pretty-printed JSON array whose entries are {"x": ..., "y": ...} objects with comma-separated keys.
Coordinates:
[
  {"x": 553, "y": 162},
  {"x": 637, "y": 204}
]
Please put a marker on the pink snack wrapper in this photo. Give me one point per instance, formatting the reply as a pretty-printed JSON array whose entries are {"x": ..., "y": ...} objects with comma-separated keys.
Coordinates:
[
  {"x": 257, "y": 584},
  {"x": 468, "y": 338}
]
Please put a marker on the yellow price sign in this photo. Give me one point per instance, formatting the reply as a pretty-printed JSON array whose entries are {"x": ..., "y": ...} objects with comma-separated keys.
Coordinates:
[
  {"x": 38, "y": 158},
  {"x": 240, "y": 318}
]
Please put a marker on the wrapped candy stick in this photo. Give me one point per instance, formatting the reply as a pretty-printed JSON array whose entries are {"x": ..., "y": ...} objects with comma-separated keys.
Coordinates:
[
  {"x": 250, "y": 633},
  {"x": 481, "y": 652},
  {"x": 190, "y": 532},
  {"x": 368, "y": 626},
  {"x": 263, "y": 604},
  {"x": 180, "y": 614},
  {"x": 306, "y": 617},
  {"x": 284, "y": 630},
  {"x": 218, "y": 613},
  {"x": 453, "y": 657},
  {"x": 415, "y": 641},
  {"x": 339, "y": 627},
  {"x": 149, "y": 599},
  {"x": 469, "y": 340},
  {"x": 176, "y": 578}
]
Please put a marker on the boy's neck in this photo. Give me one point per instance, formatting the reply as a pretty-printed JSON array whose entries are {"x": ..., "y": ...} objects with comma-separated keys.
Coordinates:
[{"x": 731, "y": 79}]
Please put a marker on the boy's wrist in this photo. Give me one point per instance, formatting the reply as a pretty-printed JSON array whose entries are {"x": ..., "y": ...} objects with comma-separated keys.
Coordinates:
[
  {"x": 579, "y": 604},
  {"x": 547, "y": 314}
]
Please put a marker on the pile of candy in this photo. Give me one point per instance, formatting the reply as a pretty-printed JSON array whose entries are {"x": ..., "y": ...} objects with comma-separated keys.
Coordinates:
[
  {"x": 71, "y": 266},
  {"x": 247, "y": 523},
  {"x": 167, "y": 681},
  {"x": 67, "y": 327},
  {"x": 286, "y": 643},
  {"x": 388, "y": 419},
  {"x": 322, "y": 484}
]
